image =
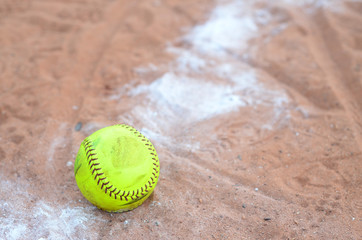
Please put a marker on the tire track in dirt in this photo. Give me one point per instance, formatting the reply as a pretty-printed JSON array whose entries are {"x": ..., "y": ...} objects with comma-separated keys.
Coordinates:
[
  {"x": 47, "y": 116},
  {"x": 90, "y": 43},
  {"x": 347, "y": 86},
  {"x": 336, "y": 63}
]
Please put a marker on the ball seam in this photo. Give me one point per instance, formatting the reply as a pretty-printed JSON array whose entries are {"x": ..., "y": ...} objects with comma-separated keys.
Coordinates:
[{"x": 101, "y": 179}]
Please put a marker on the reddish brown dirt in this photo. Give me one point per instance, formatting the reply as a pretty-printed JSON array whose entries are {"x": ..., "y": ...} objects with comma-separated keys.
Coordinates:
[{"x": 258, "y": 127}]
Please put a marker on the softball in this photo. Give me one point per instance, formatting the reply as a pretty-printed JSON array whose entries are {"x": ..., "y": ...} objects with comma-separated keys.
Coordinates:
[{"x": 116, "y": 168}]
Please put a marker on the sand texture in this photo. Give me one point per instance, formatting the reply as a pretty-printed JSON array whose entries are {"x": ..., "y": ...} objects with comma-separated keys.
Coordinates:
[{"x": 254, "y": 107}]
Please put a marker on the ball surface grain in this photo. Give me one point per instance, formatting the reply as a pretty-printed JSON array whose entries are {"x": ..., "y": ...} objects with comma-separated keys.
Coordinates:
[{"x": 116, "y": 168}]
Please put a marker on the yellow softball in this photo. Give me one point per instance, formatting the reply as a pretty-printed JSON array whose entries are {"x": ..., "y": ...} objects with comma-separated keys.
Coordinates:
[{"x": 116, "y": 168}]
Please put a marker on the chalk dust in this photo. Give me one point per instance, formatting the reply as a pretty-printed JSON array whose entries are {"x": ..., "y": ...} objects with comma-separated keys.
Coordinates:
[{"x": 254, "y": 107}]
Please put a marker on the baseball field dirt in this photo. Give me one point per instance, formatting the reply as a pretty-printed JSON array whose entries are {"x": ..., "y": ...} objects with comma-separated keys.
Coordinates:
[{"x": 254, "y": 108}]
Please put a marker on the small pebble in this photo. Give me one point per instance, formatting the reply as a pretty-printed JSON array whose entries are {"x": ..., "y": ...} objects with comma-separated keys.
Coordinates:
[
  {"x": 157, "y": 223},
  {"x": 256, "y": 189},
  {"x": 244, "y": 205},
  {"x": 267, "y": 219},
  {"x": 357, "y": 68},
  {"x": 78, "y": 126}
]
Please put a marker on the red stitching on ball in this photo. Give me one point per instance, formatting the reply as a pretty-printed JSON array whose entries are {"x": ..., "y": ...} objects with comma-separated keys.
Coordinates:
[
  {"x": 94, "y": 164},
  {"x": 97, "y": 175},
  {"x": 110, "y": 193},
  {"x": 108, "y": 188},
  {"x": 96, "y": 169}
]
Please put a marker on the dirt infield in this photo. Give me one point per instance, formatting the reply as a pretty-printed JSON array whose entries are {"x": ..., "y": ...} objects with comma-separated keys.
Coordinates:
[{"x": 254, "y": 107}]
